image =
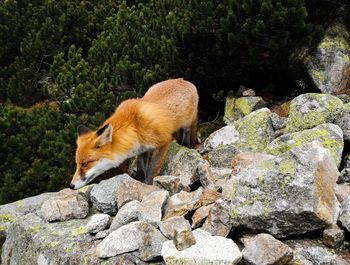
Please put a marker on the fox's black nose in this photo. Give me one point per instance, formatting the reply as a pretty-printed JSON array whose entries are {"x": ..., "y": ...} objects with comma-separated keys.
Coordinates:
[{"x": 72, "y": 186}]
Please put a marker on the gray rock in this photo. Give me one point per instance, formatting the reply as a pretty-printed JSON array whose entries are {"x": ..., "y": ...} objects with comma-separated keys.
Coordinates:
[
  {"x": 128, "y": 213},
  {"x": 103, "y": 234},
  {"x": 342, "y": 191},
  {"x": 200, "y": 214},
  {"x": 209, "y": 250},
  {"x": 248, "y": 93},
  {"x": 168, "y": 226},
  {"x": 151, "y": 207},
  {"x": 329, "y": 135},
  {"x": 103, "y": 195},
  {"x": 133, "y": 190},
  {"x": 344, "y": 217},
  {"x": 11, "y": 212},
  {"x": 211, "y": 177},
  {"x": 236, "y": 108},
  {"x": 264, "y": 249},
  {"x": 183, "y": 239},
  {"x": 221, "y": 157},
  {"x": 278, "y": 122},
  {"x": 172, "y": 184},
  {"x": 98, "y": 222},
  {"x": 218, "y": 222},
  {"x": 328, "y": 66},
  {"x": 182, "y": 203},
  {"x": 65, "y": 205},
  {"x": 310, "y": 110},
  {"x": 290, "y": 194},
  {"x": 252, "y": 133},
  {"x": 342, "y": 119},
  {"x": 182, "y": 162},
  {"x": 244, "y": 159},
  {"x": 130, "y": 237},
  {"x": 333, "y": 236},
  {"x": 31, "y": 240}
]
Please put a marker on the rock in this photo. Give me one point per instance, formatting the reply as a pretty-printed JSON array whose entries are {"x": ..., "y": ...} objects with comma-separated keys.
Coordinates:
[
  {"x": 290, "y": 194},
  {"x": 211, "y": 177},
  {"x": 31, "y": 240},
  {"x": 133, "y": 190},
  {"x": 103, "y": 234},
  {"x": 103, "y": 194},
  {"x": 183, "y": 239},
  {"x": 252, "y": 133},
  {"x": 278, "y": 122},
  {"x": 172, "y": 184},
  {"x": 200, "y": 214},
  {"x": 182, "y": 162},
  {"x": 168, "y": 226},
  {"x": 130, "y": 237},
  {"x": 310, "y": 110},
  {"x": 248, "y": 93},
  {"x": 151, "y": 207},
  {"x": 311, "y": 252},
  {"x": 333, "y": 237},
  {"x": 344, "y": 97},
  {"x": 221, "y": 157},
  {"x": 182, "y": 203},
  {"x": 65, "y": 205},
  {"x": 244, "y": 159},
  {"x": 209, "y": 250},
  {"x": 11, "y": 212},
  {"x": 329, "y": 135},
  {"x": 342, "y": 119},
  {"x": 98, "y": 222},
  {"x": 329, "y": 65},
  {"x": 218, "y": 222},
  {"x": 236, "y": 108},
  {"x": 342, "y": 191},
  {"x": 209, "y": 196},
  {"x": 344, "y": 176},
  {"x": 281, "y": 109},
  {"x": 344, "y": 217},
  {"x": 264, "y": 249},
  {"x": 128, "y": 213},
  {"x": 86, "y": 190}
]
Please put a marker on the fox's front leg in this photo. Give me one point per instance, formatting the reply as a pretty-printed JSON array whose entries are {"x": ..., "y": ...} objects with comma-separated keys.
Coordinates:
[{"x": 156, "y": 163}]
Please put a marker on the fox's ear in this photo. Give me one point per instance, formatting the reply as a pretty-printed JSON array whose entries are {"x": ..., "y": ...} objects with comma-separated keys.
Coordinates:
[
  {"x": 82, "y": 129},
  {"x": 104, "y": 135}
]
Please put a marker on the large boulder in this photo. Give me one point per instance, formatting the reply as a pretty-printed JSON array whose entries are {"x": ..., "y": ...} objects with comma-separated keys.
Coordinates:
[
  {"x": 289, "y": 194},
  {"x": 65, "y": 205},
  {"x": 208, "y": 250},
  {"x": 309, "y": 110},
  {"x": 236, "y": 108},
  {"x": 329, "y": 135},
  {"x": 31, "y": 240},
  {"x": 344, "y": 218},
  {"x": 342, "y": 119},
  {"x": 329, "y": 65}
]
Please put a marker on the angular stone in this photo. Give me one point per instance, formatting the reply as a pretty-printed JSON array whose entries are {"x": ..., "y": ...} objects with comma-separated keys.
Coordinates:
[
  {"x": 128, "y": 213},
  {"x": 333, "y": 237},
  {"x": 221, "y": 157},
  {"x": 200, "y": 214},
  {"x": 182, "y": 203},
  {"x": 342, "y": 119},
  {"x": 183, "y": 239},
  {"x": 211, "y": 177},
  {"x": 248, "y": 93},
  {"x": 278, "y": 122},
  {"x": 244, "y": 159},
  {"x": 236, "y": 108},
  {"x": 182, "y": 162},
  {"x": 98, "y": 222},
  {"x": 130, "y": 237},
  {"x": 65, "y": 205},
  {"x": 290, "y": 194},
  {"x": 11, "y": 212},
  {"x": 103, "y": 194},
  {"x": 329, "y": 135},
  {"x": 252, "y": 133},
  {"x": 172, "y": 184},
  {"x": 209, "y": 196},
  {"x": 218, "y": 222},
  {"x": 264, "y": 249},
  {"x": 209, "y": 250},
  {"x": 168, "y": 226},
  {"x": 310, "y": 110},
  {"x": 151, "y": 207},
  {"x": 342, "y": 191},
  {"x": 329, "y": 65},
  {"x": 133, "y": 190},
  {"x": 344, "y": 217}
]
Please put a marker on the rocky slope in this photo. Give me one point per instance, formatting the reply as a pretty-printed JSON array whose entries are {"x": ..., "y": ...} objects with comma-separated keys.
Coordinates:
[{"x": 260, "y": 190}]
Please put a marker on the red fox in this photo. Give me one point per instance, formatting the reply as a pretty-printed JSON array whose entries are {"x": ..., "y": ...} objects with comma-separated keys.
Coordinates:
[{"x": 142, "y": 127}]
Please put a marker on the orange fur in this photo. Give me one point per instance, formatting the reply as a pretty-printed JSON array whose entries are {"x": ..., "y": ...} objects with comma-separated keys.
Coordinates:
[{"x": 141, "y": 125}]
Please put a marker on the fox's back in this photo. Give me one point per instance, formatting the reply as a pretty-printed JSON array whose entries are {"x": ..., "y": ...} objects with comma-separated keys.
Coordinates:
[{"x": 179, "y": 96}]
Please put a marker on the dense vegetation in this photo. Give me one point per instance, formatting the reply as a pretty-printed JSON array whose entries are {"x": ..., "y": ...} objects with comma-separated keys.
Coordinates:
[{"x": 63, "y": 63}]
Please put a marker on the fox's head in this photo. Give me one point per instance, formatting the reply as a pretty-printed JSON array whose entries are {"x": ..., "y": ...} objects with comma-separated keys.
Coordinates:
[{"x": 93, "y": 154}]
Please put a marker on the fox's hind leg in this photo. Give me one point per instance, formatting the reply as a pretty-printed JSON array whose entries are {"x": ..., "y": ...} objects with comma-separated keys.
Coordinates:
[
  {"x": 143, "y": 161},
  {"x": 186, "y": 137},
  {"x": 156, "y": 163}
]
